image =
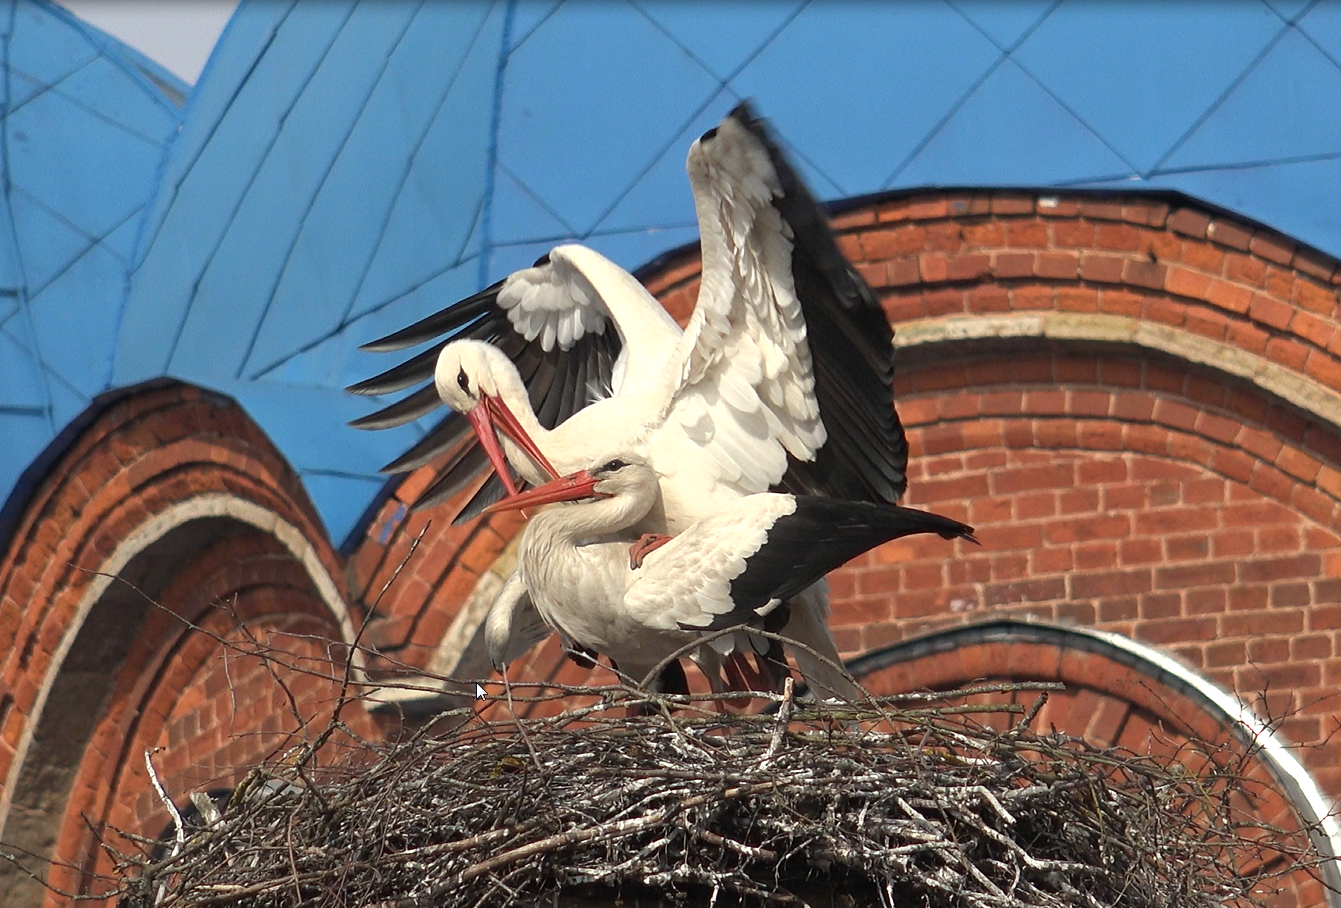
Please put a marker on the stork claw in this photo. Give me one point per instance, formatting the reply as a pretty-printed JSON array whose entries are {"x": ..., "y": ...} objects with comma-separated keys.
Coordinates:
[{"x": 646, "y": 544}]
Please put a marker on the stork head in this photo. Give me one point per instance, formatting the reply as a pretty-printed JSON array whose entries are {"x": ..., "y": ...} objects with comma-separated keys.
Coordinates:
[
  {"x": 472, "y": 378},
  {"x": 468, "y": 371}
]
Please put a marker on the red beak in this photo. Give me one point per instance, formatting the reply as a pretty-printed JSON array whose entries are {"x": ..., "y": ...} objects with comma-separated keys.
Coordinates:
[
  {"x": 512, "y": 428},
  {"x": 483, "y": 417},
  {"x": 570, "y": 488},
  {"x": 484, "y": 431}
]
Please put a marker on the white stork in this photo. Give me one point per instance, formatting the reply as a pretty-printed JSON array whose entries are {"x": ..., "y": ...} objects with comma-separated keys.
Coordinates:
[
  {"x": 736, "y": 567},
  {"x": 782, "y": 379}
]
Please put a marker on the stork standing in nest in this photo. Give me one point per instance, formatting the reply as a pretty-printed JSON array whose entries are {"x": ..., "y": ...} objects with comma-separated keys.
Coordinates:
[
  {"x": 782, "y": 379},
  {"x": 737, "y": 567}
]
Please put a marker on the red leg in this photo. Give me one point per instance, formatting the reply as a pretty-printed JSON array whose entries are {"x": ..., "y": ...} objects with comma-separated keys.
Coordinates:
[{"x": 647, "y": 543}]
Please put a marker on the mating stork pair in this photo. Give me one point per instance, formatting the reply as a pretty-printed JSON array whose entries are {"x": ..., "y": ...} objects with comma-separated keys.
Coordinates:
[{"x": 716, "y": 473}]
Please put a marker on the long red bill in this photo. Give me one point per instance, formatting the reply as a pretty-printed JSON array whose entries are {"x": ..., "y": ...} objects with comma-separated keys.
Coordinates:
[
  {"x": 509, "y": 424},
  {"x": 484, "y": 430},
  {"x": 569, "y": 488}
]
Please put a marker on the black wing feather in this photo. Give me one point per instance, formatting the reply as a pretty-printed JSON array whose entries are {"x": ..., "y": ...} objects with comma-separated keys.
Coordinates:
[
  {"x": 848, "y": 330},
  {"x": 820, "y": 535},
  {"x": 556, "y": 382}
]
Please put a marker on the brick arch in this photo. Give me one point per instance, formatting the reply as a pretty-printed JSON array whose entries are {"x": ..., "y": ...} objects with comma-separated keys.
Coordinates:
[
  {"x": 1124, "y": 694},
  {"x": 156, "y": 478}
]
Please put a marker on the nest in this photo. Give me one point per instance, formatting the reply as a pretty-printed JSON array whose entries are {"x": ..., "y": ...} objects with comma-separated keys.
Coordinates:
[{"x": 900, "y": 802}]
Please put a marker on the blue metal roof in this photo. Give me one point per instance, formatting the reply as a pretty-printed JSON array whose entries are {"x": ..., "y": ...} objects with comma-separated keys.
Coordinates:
[
  {"x": 346, "y": 167},
  {"x": 85, "y": 124}
]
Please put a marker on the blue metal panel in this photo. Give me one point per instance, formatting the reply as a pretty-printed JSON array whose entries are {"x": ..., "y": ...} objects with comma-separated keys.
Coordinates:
[
  {"x": 338, "y": 237},
  {"x": 1011, "y": 132},
  {"x": 527, "y": 16},
  {"x": 74, "y": 319},
  {"x": 1005, "y": 24},
  {"x": 44, "y": 47},
  {"x": 1289, "y": 9},
  {"x": 1301, "y": 88},
  {"x": 248, "y": 34},
  {"x": 341, "y": 499},
  {"x": 520, "y": 216},
  {"x": 566, "y": 129},
  {"x": 85, "y": 168},
  {"x": 47, "y": 243},
  {"x": 1086, "y": 54},
  {"x": 66, "y": 402},
  {"x": 236, "y": 287},
  {"x": 21, "y": 378},
  {"x": 662, "y": 198},
  {"x": 104, "y": 88},
  {"x": 1322, "y": 25},
  {"x": 723, "y": 36},
  {"x": 212, "y": 188},
  {"x": 25, "y": 435},
  {"x": 443, "y": 194},
  {"x": 856, "y": 124}
]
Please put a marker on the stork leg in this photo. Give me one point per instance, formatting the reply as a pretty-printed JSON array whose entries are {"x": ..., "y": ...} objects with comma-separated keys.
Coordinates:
[{"x": 646, "y": 544}]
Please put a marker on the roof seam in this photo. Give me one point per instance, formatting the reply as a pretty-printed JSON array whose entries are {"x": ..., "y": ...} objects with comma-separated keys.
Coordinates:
[
  {"x": 724, "y": 86},
  {"x": 304, "y": 348},
  {"x": 316, "y": 193},
  {"x": 972, "y": 89},
  {"x": 409, "y": 168},
  {"x": 148, "y": 238},
  {"x": 491, "y": 154},
  {"x": 246, "y": 190},
  {"x": 1219, "y": 101},
  {"x": 6, "y": 175}
]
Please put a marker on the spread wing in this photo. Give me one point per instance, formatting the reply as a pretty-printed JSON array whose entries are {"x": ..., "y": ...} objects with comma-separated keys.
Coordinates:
[
  {"x": 553, "y": 325},
  {"x": 786, "y": 334}
]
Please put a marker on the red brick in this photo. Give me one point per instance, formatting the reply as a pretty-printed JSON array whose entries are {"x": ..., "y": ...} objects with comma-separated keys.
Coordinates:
[
  {"x": 1012, "y": 204},
  {"x": 1101, "y": 209},
  {"x": 1230, "y": 296},
  {"x": 1144, "y": 274},
  {"x": 1189, "y": 222},
  {"x": 1112, "y": 583},
  {"x": 1272, "y": 246},
  {"x": 1270, "y": 311},
  {"x": 1176, "y": 630},
  {"x": 1313, "y": 263},
  {"x": 1105, "y": 269},
  {"x": 1321, "y": 300},
  {"x": 1306, "y": 565},
  {"x": 1227, "y": 233},
  {"x": 969, "y": 267},
  {"x": 1195, "y": 575}
]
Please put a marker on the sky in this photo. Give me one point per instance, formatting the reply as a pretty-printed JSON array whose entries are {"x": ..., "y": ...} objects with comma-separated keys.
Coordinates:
[{"x": 179, "y": 34}]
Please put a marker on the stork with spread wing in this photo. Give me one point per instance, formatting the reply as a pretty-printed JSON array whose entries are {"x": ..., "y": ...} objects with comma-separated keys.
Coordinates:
[{"x": 782, "y": 379}]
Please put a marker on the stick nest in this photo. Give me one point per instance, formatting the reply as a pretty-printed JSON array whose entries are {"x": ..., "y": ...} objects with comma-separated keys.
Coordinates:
[{"x": 899, "y": 802}]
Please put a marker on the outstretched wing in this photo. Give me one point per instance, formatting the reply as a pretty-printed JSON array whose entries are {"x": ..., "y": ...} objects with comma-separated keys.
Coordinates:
[
  {"x": 548, "y": 319},
  {"x": 786, "y": 333}
]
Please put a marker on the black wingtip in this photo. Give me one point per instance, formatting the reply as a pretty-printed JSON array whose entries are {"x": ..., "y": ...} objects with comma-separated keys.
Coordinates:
[{"x": 709, "y": 135}]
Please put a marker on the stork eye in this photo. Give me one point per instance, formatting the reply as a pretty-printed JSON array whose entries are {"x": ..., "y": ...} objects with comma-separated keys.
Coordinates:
[
  {"x": 462, "y": 381},
  {"x": 613, "y": 466}
]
